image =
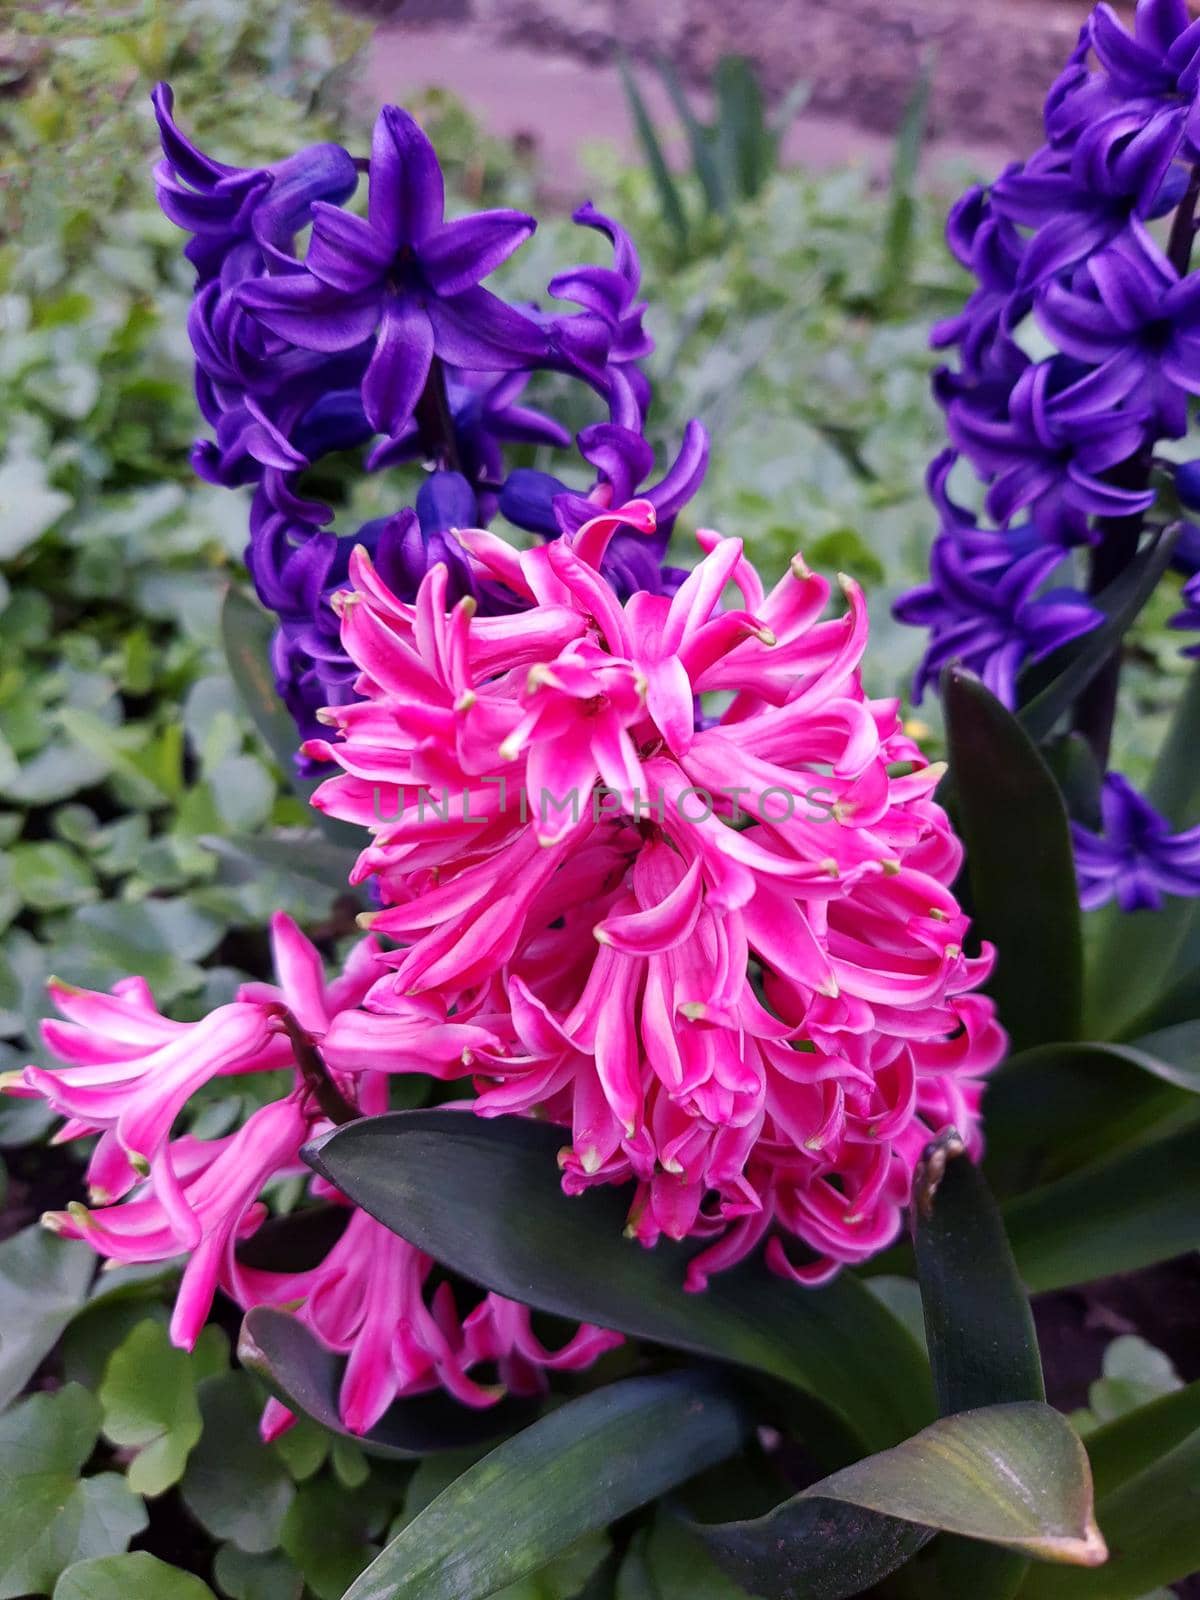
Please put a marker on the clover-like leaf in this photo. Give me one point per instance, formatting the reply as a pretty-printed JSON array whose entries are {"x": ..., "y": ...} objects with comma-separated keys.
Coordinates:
[
  {"x": 50, "y": 1517},
  {"x": 149, "y": 1400}
]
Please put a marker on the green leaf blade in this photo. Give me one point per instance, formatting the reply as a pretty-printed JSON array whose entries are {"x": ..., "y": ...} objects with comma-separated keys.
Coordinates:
[
  {"x": 306, "y": 1376},
  {"x": 1013, "y": 822},
  {"x": 514, "y": 1231},
  {"x": 589, "y": 1462}
]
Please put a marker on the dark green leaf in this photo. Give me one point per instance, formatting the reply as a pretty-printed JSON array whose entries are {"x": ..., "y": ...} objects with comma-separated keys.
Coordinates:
[
  {"x": 668, "y": 1561},
  {"x": 668, "y": 193},
  {"x": 1136, "y": 1208},
  {"x": 978, "y": 1327},
  {"x": 1011, "y": 1475},
  {"x": 131, "y": 1577},
  {"x": 235, "y": 1486},
  {"x": 1132, "y": 1443},
  {"x": 1057, "y": 1107},
  {"x": 511, "y": 1229},
  {"x": 307, "y": 1377},
  {"x": 1019, "y": 858},
  {"x": 586, "y": 1464},
  {"x": 49, "y": 1516},
  {"x": 44, "y": 1281},
  {"x": 1067, "y": 673}
]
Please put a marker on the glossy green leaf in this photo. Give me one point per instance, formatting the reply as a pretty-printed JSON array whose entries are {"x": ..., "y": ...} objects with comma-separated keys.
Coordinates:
[
  {"x": 44, "y": 1281},
  {"x": 978, "y": 1326},
  {"x": 50, "y": 1517},
  {"x": 236, "y": 1487},
  {"x": 1019, "y": 860},
  {"x": 668, "y": 191},
  {"x": 1010, "y": 1475},
  {"x": 307, "y": 1377},
  {"x": 513, "y": 1230},
  {"x": 149, "y": 1400},
  {"x": 1057, "y": 1107},
  {"x": 130, "y": 1577},
  {"x": 1060, "y": 680},
  {"x": 1147, "y": 1468},
  {"x": 1129, "y": 1211},
  {"x": 590, "y": 1462}
]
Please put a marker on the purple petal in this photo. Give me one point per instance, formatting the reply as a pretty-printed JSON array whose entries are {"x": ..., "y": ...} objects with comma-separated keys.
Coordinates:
[
  {"x": 476, "y": 330},
  {"x": 459, "y": 254},
  {"x": 345, "y": 252},
  {"x": 192, "y": 165},
  {"x": 407, "y": 198},
  {"x": 309, "y": 313},
  {"x": 686, "y": 473},
  {"x": 317, "y": 175},
  {"x": 398, "y": 370}
]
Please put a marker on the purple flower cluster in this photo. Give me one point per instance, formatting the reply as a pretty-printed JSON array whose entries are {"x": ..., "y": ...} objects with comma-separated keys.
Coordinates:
[
  {"x": 1083, "y": 252},
  {"x": 378, "y": 336}
]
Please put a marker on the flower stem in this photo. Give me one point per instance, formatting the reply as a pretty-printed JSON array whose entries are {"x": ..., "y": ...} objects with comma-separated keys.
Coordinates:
[
  {"x": 436, "y": 420},
  {"x": 1096, "y": 709},
  {"x": 314, "y": 1071}
]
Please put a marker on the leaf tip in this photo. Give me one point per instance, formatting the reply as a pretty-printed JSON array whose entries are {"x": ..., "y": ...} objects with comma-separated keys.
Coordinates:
[
  {"x": 1086, "y": 1550},
  {"x": 931, "y": 1169}
]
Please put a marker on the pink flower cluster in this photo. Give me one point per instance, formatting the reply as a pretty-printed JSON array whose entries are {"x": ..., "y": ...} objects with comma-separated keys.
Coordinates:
[
  {"x": 658, "y": 871},
  {"x": 130, "y": 1071},
  {"x": 759, "y": 1010}
]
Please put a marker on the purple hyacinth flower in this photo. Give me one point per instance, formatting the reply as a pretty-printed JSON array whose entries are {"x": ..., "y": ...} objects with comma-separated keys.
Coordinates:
[
  {"x": 405, "y": 276},
  {"x": 1081, "y": 199},
  {"x": 232, "y": 211},
  {"x": 1135, "y": 857},
  {"x": 485, "y": 414},
  {"x": 544, "y": 505},
  {"x": 1060, "y": 433},
  {"x": 1129, "y": 307},
  {"x": 984, "y": 611},
  {"x": 607, "y": 340},
  {"x": 1159, "y": 60},
  {"x": 990, "y": 247}
]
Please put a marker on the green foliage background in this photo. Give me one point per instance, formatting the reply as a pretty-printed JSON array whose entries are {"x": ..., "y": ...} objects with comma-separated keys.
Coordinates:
[{"x": 131, "y": 782}]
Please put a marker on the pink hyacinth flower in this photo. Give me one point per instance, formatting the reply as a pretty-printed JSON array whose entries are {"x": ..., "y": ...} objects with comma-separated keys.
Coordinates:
[
  {"x": 689, "y": 875},
  {"x": 159, "y": 1196}
]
